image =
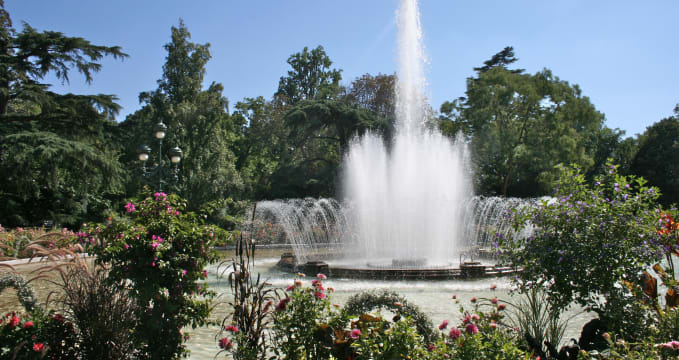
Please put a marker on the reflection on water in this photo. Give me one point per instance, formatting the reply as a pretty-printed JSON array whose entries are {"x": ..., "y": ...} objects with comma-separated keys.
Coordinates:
[{"x": 433, "y": 297}]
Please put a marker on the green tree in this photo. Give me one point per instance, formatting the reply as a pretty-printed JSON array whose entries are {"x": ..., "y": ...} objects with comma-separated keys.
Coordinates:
[
  {"x": 198, "y": 122},
  {"x": 521, "y": 125},
  {"x": 261, "y": 144},
  {"x": 376, "y": 94},
  {"x": 310, "y": 78},
  {"x": 657, "y": 159},
  {"x": 58, "y": 154}
]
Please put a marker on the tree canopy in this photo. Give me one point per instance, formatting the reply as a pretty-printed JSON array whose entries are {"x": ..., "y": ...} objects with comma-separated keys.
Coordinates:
[
  {"x": 58, "y": 152},
  {"x": 657, "y": 157},
  {"x": 520, "y": 125}
]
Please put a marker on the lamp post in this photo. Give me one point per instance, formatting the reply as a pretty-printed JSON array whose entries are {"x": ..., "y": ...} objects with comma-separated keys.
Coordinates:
[{"x": 159, "y": 170}]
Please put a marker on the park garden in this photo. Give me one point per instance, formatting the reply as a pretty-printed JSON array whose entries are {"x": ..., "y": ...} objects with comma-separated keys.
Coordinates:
[{"x": 125, "y": 251}]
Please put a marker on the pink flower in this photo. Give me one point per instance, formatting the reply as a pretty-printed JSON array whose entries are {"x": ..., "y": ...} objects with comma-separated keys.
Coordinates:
[
  {"x": 471, "y": 329},
  {"x": 454, "y": 296},
  {"x": 315, "y": 282},
  {"x": 289, "y": 288},
  {"x": 501, "y": 307},
  {"x": 473, "y": 300},
  {"x": 444, "y": 324},
  {"x": 184, "y": 272},
  {"x": 493, "y": 287},
  {"x": 493, "y": 300},
  {"x": 475, "y": 317},
  {"x": 454, "y": 333},
  {"x": 319, "y": 295},
  {"x": 38, "y": 347},
  {"x": 28, "y": 324},
  {"x": 431, "y": 347},
  {"x": 466, "y": 319},
  {"x": 154, "y": 245},
  {"x": 225, "y": 343},
  {"x": 398, "y": 304},
  {"x": 493, "y": 325},
  {"x": 205, "y": 273},
  {"x": 127, "y": 246},
  {"x": 130, "y": 207},
  {"x": 331, "y": 289},
  {"x": 355, "y": 334},
  {"x": 321, "y": 276}
]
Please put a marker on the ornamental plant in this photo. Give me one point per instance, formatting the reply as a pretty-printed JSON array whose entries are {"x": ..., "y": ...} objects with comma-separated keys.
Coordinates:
[
  {"x": 159, "y": 253},
  {"x": 36, "y": 336},
  {"x": 302, "y": 320},
  {"x": 588, "y": 241},
  {"x": 482, "y": 334}
]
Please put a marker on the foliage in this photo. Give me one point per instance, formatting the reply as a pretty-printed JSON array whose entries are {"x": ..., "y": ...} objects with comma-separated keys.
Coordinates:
[
  {"x": 588, "y": 241},
  {"x": 49, "y": 142},
  {"x": 260, "y": 145},
  {"x": 366, "y": 302},
  {"x": 198, "y": 122},
  {"x": 534, "y": 315},
  {"x": 657, "y": 158},
  {"x": 379, "y": 338},
  {"x": 377, "y": 94},
  {"x": 20, "y": 242},
  {"x": 35, "y": 336},
  {"x": 481, "y": 335},
  {"x": 252, "y": 307},
  {"x": 521, "y": 125},
  {"x": 160, "y": 252},
  {"x": 301, "y": 320},
  {"x": 311, "y": 77},
  {"x": 103, "y": 314}
]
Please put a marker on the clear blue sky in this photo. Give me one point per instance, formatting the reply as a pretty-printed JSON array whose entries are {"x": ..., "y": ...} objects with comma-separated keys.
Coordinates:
[{"x": 622, "y": 53}]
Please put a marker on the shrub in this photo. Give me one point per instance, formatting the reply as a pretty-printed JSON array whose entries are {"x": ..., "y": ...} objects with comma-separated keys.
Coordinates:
[
  {"x": 160, "y": 253},
  {"x": 243, "y": 334},
  {"x": 37, "y": 335},
  {"x": 20, "y": 242},
  {"x": 302, "y": 322},
  {"x": 481, "y": 335},
  {"x": 588, "y": 241},
  {"x": 103, "y": 314}
]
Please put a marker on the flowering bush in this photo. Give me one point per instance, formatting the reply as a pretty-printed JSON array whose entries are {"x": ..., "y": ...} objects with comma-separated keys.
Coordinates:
[
  {"x": 36, "y": 336},
  {"x": 588, "y": 241},
  {"x": 481, "y": 335},
  {"x": 160, "y": 252},
  {"x": 302, "y": 320},
  {"x": 16, "y": 243}
]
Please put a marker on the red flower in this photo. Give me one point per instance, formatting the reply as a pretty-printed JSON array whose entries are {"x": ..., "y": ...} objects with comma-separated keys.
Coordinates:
[
  {"x": 38, "y": 347},
  {"x": 14, "y": 321},
  {"x": 501, "y": 307},
  {"x": 319, "y": 295},
  {"x": 443, "y": 325},
  {"x": 355, "y": 334},
  {"x": 225, "y": 343},
  {"x": 283, "y": 304},
  {"x": 28, "y": 324}
]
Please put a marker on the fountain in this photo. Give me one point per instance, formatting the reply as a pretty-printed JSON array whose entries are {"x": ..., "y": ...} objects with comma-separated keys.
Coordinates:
[{"x": 409, "y": 208}]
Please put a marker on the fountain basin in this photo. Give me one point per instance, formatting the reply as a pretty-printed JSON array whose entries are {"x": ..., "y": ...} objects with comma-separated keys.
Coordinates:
[{"x": 465, "y": 270}]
